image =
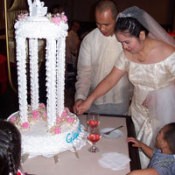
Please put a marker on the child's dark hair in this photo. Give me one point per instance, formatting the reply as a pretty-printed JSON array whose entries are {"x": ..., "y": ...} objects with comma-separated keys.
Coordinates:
[
  {"x": 169, "y": 136},
  {"x": 10, "y": 148},
  {"x": 130, "y": 25}
]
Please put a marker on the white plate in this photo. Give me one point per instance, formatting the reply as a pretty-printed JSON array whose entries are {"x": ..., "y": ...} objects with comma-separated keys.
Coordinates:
[{"x": 114, "y": 134}]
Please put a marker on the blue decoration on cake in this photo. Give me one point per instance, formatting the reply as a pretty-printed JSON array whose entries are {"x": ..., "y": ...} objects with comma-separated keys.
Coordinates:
[{"x": 73, "y": 135}]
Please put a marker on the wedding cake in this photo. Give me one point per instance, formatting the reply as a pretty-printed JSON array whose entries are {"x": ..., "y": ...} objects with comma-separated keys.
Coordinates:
[{"x": 46, "y": 129}]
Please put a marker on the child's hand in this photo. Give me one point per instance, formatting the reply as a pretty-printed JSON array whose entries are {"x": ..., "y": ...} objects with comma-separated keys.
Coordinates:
[
  {"x": 136, "y": 172},
  {"x": 136, "y": 143}
]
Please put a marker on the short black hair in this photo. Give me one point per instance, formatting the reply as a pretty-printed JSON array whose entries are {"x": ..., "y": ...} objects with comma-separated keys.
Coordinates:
[
  {"x": 103, "y": 5},
  {"x": 169, "y": 136}
]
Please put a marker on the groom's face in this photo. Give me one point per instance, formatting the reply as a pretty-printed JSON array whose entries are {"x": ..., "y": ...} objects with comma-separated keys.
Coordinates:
[{"x": 105, "y": 22}]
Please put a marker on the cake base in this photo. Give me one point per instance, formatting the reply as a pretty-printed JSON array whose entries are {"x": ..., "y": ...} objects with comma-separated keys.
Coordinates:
[{"x": 38, "y": 141}]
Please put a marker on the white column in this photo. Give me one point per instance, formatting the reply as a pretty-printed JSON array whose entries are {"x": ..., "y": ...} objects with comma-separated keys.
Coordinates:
[
  {"x": 22, "y": 78},
  {"x": 60, "y": 75},
  {"x": 34, "y": 87},
  {"x": 51, "y": 81}
]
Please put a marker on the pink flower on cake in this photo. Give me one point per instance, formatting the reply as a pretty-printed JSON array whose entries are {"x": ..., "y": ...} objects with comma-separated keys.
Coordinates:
[
  {"x": 64, "y": 18},
  {"x": 67, "y": 109},
  {"x": 59, "y": 18},
  {"x": 57, "y": 130},
  {"x": 25, "y": 125},
  {"x": 65, "y": 113},
  {"x": 70, "y": 120},
  {"x": 13, "y": 119},
  {"x": 42, "y": 106},
  {"x": 58, "y": 120},
  {"x": 56, "y": 20},
  {"x": 44, "y": 115},
  {"x": 35, "y": 114}
]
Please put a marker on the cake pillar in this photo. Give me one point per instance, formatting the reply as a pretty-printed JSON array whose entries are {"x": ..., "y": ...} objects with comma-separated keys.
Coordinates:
[
  {"x": 34, "y": 88},
  {"x": 51, "y": 81},
  {"x": 22, "y": 78},
  {"x": 60, "y": 75}
]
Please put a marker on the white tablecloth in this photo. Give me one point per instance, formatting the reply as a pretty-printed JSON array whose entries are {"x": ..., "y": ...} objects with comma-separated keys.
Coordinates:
[{"x": 87, "y": 164}]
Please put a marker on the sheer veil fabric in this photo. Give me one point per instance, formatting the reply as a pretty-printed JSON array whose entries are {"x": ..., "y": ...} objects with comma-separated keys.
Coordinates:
[
  {"x": 161, "y": 107},
  {"x": 155, "y": 29}
]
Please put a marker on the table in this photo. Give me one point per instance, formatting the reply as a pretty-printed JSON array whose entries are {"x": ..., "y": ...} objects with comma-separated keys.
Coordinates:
[{"x": 87, "y": 164}]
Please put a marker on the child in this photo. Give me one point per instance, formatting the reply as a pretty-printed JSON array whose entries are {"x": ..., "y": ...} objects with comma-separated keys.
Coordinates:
[
  {"x": 10, "y": 149},
  {"x": 162, "y": 157}
]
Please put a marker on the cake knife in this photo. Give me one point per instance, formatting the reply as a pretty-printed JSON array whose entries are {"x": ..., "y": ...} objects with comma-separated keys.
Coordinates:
[
  {"x": 75, "y": 151},
  {"x": 108, "y": 132}
]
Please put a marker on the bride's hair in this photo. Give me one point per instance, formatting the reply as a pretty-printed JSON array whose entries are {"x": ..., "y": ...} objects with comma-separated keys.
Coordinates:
[
  {"x": 155, "y": 29},
  {"x": 130, "y": 25},
  {"x": 10, "y": 148}
]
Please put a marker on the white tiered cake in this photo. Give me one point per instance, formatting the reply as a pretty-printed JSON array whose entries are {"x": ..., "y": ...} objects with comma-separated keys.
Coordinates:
[{"x": 46, "y": 130}]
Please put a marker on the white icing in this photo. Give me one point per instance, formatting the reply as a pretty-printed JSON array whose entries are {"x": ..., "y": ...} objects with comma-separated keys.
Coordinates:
[
  {"x": 33, "y": 53},
  {"x": 40, "y": 29},
  {"x": 60, "y": 76},
  {"x": 34, "y": 28},
  {"x": 37, "y": 8},
  {"x": 38, "y": 134},
  {"x": 51, "y": 82},
  {"x": 22, "y": 82},
  {"x": 39, "y": 141}
]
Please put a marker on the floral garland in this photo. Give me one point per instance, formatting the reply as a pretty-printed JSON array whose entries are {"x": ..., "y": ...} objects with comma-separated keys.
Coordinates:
[
  {"x": 40, "y": 113},
  {"x": 56, "y": 18}
]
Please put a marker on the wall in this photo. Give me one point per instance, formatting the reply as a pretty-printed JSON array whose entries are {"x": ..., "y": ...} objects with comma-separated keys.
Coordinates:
[
  {"x": 2, "y": 23},
  {"x": 162, "y": 10}
]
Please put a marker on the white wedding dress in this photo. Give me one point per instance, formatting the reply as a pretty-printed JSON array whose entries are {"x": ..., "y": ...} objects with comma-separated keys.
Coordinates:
[{"x": 156, "y": 82}]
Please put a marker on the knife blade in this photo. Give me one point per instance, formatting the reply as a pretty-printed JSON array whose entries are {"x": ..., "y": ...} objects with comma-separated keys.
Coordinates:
[{"x": 75, "y": 151}]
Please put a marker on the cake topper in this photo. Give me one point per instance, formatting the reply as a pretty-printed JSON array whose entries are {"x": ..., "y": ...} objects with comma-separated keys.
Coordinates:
[{"x": 36, "y": 8}]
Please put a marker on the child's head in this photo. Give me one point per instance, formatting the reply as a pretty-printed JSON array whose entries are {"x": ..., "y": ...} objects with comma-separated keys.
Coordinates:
[
  {"x": 165, "y": 139},
  {"x": 10, "y": 148}
]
